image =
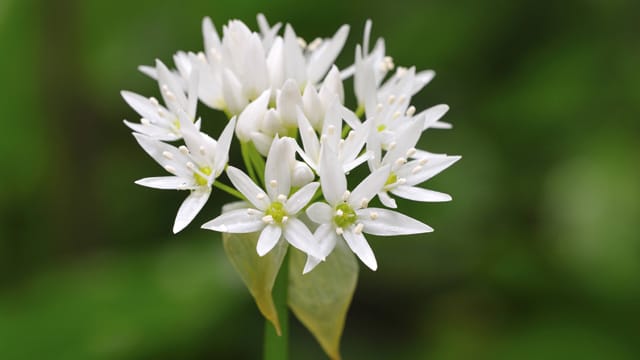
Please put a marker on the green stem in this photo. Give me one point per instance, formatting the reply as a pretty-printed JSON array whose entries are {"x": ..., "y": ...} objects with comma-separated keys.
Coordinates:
[
  {"x": 246, "y": 157},
  {"x": 229, "y": 190},
  {"x": 277, "y": 347}
]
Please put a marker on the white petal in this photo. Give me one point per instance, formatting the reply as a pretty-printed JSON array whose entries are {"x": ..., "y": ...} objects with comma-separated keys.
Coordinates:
[
  {"x": 299, "y": 236},
  {"x": 157, "y": 150},
  {"x": 387, "y": 200},
  {"x": 407, "y": 138},
  {"x": 288, "y": 101},
  {"x": 250, "y": 117},
  {"x": 420, "y": 194},
  {"x": 332, "y": 87},
  {"x": 433, "y": 167},
  {"x": 294, "y": 63},
  {"x": 155, "y": 132},
  {"x": 301, "y": 198},
  {"x": 422, "y": 79},
  {"x": 268, "y": 239},
  {"x": 389, "y": 222},
  {"x": 248, "y": 188},
  {"x": 190, "y": 207},
  {"x": 332, "y": 177},
  {"x": 369, "y": 187},
  {"x": 210, "y": 35},
  {"x": 359, "y": 245},
  {"x": 166, "y": 183},
  {"x": 312, "y": 105},
  {"x": 441, "y": 125},
  {"x": 222, "y": 150},
  {"x": 143, "y": 105},
  {"x": 320, "y": 62},
  {"x": 277, "y": 168},
  {"x": 326, "y": 237},
  {"x": 433, "y": 114},
  {"x": 301, "y": 174},
  {"x": 320, "y": 213},
  {"x": 311, "y": 263},
  {"x": 236, "y": 221},
  {"x": 309, "y": 137}
]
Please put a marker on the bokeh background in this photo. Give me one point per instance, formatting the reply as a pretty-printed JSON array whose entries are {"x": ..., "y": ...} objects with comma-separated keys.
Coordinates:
[{"x": 537, "y": 257}]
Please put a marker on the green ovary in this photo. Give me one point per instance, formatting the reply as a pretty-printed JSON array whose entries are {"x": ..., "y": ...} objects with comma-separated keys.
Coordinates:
[
  {"x": 347, "y": 217},
  {"x": 201, "y": 180},
  {"x": 391, "y": 179},
  {"x": 277, "y": 211},
  {"x": 381, "y": 127}
]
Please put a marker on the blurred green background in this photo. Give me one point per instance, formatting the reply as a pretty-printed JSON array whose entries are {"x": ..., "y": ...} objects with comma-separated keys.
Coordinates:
[{"x": 537, "y": 257}]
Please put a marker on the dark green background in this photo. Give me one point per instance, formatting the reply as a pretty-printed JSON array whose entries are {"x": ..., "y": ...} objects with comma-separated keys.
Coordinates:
[{"x": 537, "y": 257}]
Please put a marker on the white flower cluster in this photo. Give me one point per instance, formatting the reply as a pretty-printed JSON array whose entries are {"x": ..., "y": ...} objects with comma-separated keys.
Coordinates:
[{"x": 285, "y": 101}]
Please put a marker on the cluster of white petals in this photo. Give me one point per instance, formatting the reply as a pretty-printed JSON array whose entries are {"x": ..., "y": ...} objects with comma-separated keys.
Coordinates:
[{"x": 284, "y": 98}]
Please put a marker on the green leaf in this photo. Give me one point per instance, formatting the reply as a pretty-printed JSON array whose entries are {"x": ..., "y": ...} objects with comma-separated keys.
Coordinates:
[
  {"x": 258, "y": 273},
  {"x": 321, "y": 298}
]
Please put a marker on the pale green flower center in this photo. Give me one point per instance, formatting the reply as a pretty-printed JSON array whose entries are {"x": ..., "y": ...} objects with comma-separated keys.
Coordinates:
[
  {"x": 391, "y": 179},
  {"x": 381, "y": 127},
  {"x": 344, "y": 215},
  {"x": 201, "y": 180},
  {"x": 277, "y": 211}
]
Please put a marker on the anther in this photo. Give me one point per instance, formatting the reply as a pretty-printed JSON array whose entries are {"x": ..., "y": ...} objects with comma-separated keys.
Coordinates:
[
  {"x": 346, "y": 195},
  {"x": 373, "y": 215},
  {"x": 423, "y": 161},
  {"x": 396, "y": 115},
  {"x": 145, "y": 121},
  {"x": 411, "y": 152},
  {"x": 260, "y": 196},
  {"x": 314, "y": 44},
  {"x": 339, "y": 212},
  {"x": 273, "y": 183},
  {"x": 358, "y": 229},
  {"x": 392, "y": 145},
  {"x": 201, "y": 57},
  {"x": 183, "y": 149},
  {"x": 252, "y": 212},
  {"x": 302, "y": 43},
  {"x": 392, "y": 99},
  {"x": 167, "y": 155},
  {"x": 170, "y": 169},
  {"x": 267, "y": 219},
  {"x": 203, "y": 151},
  {"x": 401, "y": 161},
  {"x": 364, "y": 203},
  {"x": 339, "y": 231},
  {"x": 190, "y": 165},
  {"x": 411, "y": 110},
  {"x": 331, "y": 130},
  {"x": 402, "y": 181},
  {"x": 379, "y": 107},
  {"x": 282, "y": 198},
  {"x": 154, "y": 101},
  {"x": 284, "y": 219},
  {"x": 416, "y": 169}
]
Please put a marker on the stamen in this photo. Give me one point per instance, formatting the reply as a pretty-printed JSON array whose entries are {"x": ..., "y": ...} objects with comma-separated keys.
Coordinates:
[
  {"x": 402, "y": 98},
  {"x": 267, "y": 219},
  {"x": 400, "y": 71},
  {"x": 154, "y": 101},
  {"x": 339, "y": 212},
  {"x": 339, "y": 231},
  {"x": 396, "y": 115},
  {"x": 314, "y": 44},
  {"x": 392, "y": 99},
  {"x": 252, "y": 212},
  {"x": 191, "y": 166},
  {"x": 401, "y": 161},
  {"x": 358, "y": 229},
  {"x": 183, "y": 149},
  {"x": 416, "y": 169},
  {"x": 170, "y": 169},
  {"x": 423, "y": 161},
  {"x": 364, "y": 203},
  {"x": 331, "y": 130},
  {"x": 302, "y": 43},
  {"x": 145, "y": 121},
  {"x": 170, "y": 95},
  {"x": 284, "y": 219},
  {"x": 202, "y": 57},
  {"x": 282, "y": 198},
  {"x": 167, "y": 155},
  {"x": 402, "y": 181},
  {"x": 346, "y": 195},
  {"x": 411, "y": 110},
  {"x": 392, "y": 145},
  {"x": 379, "y": 107},
  {"x": 203, "y": 151},
  {"x": 165, "y": 88},
  {"x": 373, "y": 215},
  {"x": 273, "y": 183},
  {"x": 260, "y": 196},
  {"x": 411, "y": 152}
]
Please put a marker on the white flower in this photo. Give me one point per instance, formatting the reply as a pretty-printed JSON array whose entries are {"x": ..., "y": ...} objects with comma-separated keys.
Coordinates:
[
  {"x": 194, "y": 167},
  {"x": 346, "y": 214},
  {"x": 347, "y": 149},
  {"x": 274, "y": 212},
  {"x": 159, "y": 122},
  {"x": 406, "y": 173}
]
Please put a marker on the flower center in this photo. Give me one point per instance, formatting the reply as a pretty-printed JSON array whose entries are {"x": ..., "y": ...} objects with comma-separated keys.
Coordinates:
[
  {"x": 276, "y": 211},
  {"x": 381, "y": 127},
  {"x": 344, "y": 215},
  {"x": 392, "y": 179},
  {"x": 201, "y": 180}
]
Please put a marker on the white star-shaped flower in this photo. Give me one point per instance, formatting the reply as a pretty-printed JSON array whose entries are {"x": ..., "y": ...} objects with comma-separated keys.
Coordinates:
[
  {"x": 346, "y": 214},
  {"x": 194, "y": 166},
  {"x": 409, "y": 167},
  {"x": 274, "y": 211}
]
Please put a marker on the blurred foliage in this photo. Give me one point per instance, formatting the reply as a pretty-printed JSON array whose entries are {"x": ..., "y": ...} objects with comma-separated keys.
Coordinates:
[{"x": 537, "y": 257}]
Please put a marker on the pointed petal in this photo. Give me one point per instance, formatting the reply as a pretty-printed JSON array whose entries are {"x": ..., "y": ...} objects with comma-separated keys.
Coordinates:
[
  {"x": 190, "y": 207},
  {"x": 420, "y": 194},
  {"x": 277, "y": 172},
  {"x": 299, "y": 236},
  {"x": 237, "y": 221},
  {"x": 301, "y": 198},
  {"x": 320, "y": 213},
  {"x": 369, "y": 187},
  {"x": 389, "y": 222},
  {"x": 433, "y": 114},
  {"x": 359, "y": 245},
  {"x": 268, "y": 239},
  {"x": 222, "y": 149},
  {"x": 321, "y": 60},
  {"x": 166, "y": 183},
  {"x": 433, "y": 167},
  {"x": 248, "y": 188},
  {"x": 332, "y": 178},
  {"x": 387, "y": 200}
]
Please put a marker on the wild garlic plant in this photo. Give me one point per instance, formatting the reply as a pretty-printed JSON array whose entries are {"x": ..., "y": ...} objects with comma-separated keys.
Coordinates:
[{"x": 300, "y": 143}]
